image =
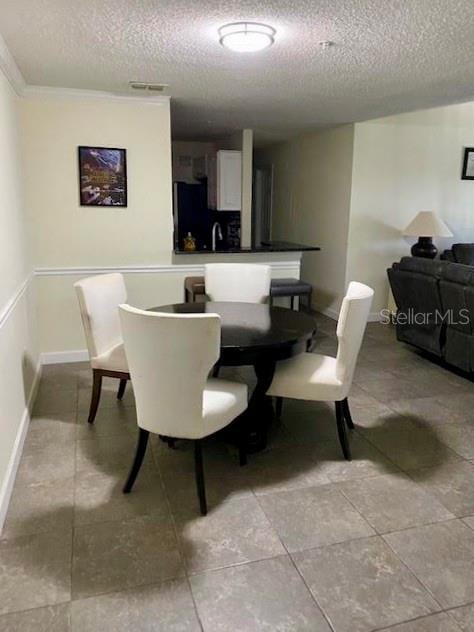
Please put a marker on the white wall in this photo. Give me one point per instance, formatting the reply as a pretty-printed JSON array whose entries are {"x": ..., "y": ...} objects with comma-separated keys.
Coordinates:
[
  {"x": 404, "y": 164},
  {"x": 311, "y": 204},
  {"x": 66, "y": 235},
  {"x": 18, "y": 352}
]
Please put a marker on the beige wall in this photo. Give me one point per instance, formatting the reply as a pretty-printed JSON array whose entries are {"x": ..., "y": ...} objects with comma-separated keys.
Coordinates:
[
  {"x": 311, "y": 203},
  {"x": 66, "y": 235},
  {"x": 18, "y": 353},
  {"x": 404, "y": 164}
]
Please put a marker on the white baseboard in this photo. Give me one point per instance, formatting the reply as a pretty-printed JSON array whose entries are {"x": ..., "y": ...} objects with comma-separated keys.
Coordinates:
[
  {"x": 12, "y": 467},
  {"x": 328, "y": 311},
  {"x": 63, "y": 357}
]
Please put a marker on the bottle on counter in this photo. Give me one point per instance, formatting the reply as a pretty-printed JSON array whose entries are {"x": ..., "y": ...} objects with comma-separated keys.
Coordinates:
[{"x": 189, "y": 242}]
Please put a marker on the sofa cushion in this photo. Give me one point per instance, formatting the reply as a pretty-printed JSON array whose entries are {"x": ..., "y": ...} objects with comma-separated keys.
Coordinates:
[
  {"x": 464, "y": 253},
  {"x": 431, "y": 267}
]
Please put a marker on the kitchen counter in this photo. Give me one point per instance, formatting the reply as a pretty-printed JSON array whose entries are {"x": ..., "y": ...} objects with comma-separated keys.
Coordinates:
[{"x": 266, "y": 246}]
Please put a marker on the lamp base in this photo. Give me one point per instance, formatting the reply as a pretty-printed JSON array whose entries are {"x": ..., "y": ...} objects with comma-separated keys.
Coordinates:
[{"x": 424, "y": 247}]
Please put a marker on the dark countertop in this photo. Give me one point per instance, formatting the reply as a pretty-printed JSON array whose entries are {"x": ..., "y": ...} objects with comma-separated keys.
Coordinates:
[{"x": 267, "y": 246}]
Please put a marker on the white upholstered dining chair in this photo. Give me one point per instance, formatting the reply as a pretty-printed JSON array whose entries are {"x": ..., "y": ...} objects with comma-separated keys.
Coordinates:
[
  {"x": 99, "y": 297},
  {"x": 170, "y": 356},
  {"x": 314, "y": 377},
  {"x": 238, "y": 282}
]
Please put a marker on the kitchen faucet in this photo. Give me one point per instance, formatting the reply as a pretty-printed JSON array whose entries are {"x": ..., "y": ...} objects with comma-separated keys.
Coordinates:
[{"x": 215, "y": 226}]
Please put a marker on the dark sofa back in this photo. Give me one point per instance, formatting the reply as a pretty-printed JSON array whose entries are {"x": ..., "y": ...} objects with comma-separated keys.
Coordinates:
[
  {"x": 457, "y": 297},
  {"x": 460, "y": 253},
  {"x": 415, "y": 287},
  {"x": 442, "y": 295}
]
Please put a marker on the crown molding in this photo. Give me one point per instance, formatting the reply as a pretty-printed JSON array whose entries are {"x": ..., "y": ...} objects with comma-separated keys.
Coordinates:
[
  {"x": 30, "y": 91},
  {"x": 10, "y": 69},
  {"x": 18, "y": 83}
]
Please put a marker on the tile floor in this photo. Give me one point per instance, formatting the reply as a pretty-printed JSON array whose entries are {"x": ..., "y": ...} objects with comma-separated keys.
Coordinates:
[{"x": 297, "y": 540}]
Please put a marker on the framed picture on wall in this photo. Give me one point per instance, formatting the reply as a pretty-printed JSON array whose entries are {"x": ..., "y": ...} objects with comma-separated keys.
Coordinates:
[
  {"x": 102, "y": 176},
  {"x": 468, "y": 164}
]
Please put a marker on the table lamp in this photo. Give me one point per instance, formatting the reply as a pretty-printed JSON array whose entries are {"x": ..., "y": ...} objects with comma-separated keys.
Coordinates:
[{"x": 425, "y": 226}]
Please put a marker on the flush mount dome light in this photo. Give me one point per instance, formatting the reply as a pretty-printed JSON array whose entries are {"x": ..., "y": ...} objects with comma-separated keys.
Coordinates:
[{"x": 246, "y": 37}]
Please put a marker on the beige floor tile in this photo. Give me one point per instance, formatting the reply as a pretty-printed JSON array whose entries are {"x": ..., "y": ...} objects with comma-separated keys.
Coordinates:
[
  {"x": 361, "y": 585},
  {"x": 459, "y": 437},
  {"x": 114, "y": 556},
  {"x": 441, "y": 622},
  {"x": 40, "y": 507},
  {"x": 99, "y": 497},
  {"x": 47, "y": 619},
  {"x": 409, "y": 446},
  {"x": 464, "y": 617},
  {"x": 45, "y": 430},
  {"x": 442, "y": 557},
  {"x": 51, "y": 463},
  {"x": 451, "y": 483},
  {"x": 311, "y": 517},
  {"x": 164, "y": 607},
  {"x": 390, "y": 503},
  {"x": 234, "y": 532},
  {"x": 35, "y": 571},
  {"x": 265, "y": 595}
]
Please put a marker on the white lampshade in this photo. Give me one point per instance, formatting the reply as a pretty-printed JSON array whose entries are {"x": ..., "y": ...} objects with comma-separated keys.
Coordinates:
[{"x": 427, "y": 224}]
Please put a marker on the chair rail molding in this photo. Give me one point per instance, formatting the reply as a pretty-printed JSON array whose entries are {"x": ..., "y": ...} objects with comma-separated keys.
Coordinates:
[
  {"x": 150, "y": 269},
  {"x": 10, "y": 305}
]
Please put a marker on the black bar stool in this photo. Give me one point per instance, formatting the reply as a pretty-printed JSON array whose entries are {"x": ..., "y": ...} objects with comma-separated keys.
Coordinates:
[
  {"x": 194, "y": 286},
  {"x": 291, "y": 288}
]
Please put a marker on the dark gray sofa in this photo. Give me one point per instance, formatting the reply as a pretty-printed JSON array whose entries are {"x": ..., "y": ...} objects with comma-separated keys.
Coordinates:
[
  {"x": 435, "y": 308},
  {"x": 459, "y": 253}
]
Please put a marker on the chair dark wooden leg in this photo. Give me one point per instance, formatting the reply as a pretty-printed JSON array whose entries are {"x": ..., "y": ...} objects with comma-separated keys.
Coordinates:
[
  {"x": 292, "y": 302},
  {"x": 278, "y": 407},
  {"x": 170, "y": 441},
  {"x": 215, "y": 370},
  {"x": 121, "y": 389},
  {"x": 137, "y": 461},
  {"x": 95, "y": 398},
  {"x": 243, "y": 437},
  {"x": 309, "y": 298},
  {"x": 347, "y": 413},
  {"x": 341, "y": 430},
  {"x": 200, "y": 485}
]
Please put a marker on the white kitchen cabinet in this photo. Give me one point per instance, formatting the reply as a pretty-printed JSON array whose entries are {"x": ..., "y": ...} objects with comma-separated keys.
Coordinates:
[{"x": 229, "y": 180}]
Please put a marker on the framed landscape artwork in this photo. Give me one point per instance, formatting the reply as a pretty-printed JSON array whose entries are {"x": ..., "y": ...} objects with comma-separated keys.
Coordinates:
[
  {"x": 102, "y": 176},
  {"x": 468, "y": 165}
]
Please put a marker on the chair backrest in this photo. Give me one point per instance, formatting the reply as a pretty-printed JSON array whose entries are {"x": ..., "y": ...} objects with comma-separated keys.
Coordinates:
[
  {"x": 169, "y": 357},
  {"x": 241, "y": 282},
  {"x": 99, "y": 297},
  {"x": 351, "y": 325}
]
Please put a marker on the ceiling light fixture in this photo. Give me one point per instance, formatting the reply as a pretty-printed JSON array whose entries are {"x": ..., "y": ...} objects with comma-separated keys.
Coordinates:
[{"x": 246, "y": 37}]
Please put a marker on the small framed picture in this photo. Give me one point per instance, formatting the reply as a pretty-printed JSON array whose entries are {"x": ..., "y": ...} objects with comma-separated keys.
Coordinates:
[
  {"x": 468, "y": 164},
  {"x": 102, "y": 176}
]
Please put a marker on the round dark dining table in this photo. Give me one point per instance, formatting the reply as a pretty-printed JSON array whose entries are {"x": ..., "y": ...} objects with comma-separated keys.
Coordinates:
[{"x": 258, "y": 335}]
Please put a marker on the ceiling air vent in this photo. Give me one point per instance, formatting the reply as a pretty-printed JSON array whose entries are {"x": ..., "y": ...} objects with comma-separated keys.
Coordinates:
[{"x": 147, "y": 87}]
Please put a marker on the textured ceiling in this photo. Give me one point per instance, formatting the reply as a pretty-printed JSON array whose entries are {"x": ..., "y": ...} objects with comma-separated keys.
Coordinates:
[{"x": 390, "y": 56}]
